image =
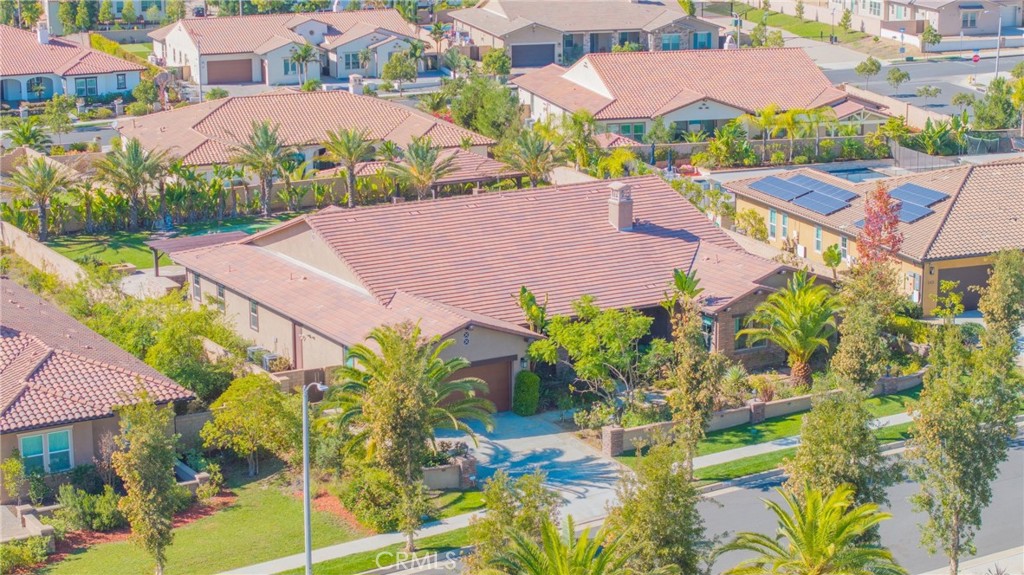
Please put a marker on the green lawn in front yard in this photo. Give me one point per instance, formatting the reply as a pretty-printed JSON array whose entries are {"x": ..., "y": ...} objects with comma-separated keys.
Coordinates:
[
  {"x": 263, "y": 523},
  {"x": 893, "y": 404},
  {"x": 452, "y": 503},
  {"x": 120, "y": 247},
  {"x": 365, "y": 561},
  {"x": 140, "y": 50},
  {"x": 792, "y": 24}
]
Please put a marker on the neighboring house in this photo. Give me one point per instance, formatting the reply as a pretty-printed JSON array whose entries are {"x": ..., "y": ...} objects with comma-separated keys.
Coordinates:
[
  {"x": 542, "y": 32},
  {"x": 142, "y": 7},
  {"x": 311, "y": 288},
  {"x": 468, "y": 170},
  {"x": 247, "y": 49},
  {"x": 690, "y": 91},
  {"x": 61, "y": 382},
  {"x": 205, "y": 134},
  {"x": 35, "y": 66},
  {"x": 952, "y": 220}
]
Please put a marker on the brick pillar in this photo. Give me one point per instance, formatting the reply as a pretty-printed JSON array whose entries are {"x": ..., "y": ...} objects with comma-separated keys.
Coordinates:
[
  {"x": 467, "y": 472},
  {"x": 756, "y": 411},
  {"x": 611, "y": 440}
]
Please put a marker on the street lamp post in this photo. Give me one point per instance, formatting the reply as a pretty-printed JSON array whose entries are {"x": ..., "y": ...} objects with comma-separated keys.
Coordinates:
[
  {"x": 307, "y": 529},
  {"x": 999, "y": 41},
  {"x": 832, "y": 37}
]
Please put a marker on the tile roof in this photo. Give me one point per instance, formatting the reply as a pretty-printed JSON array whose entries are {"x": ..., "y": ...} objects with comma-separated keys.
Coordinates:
[
  {"x": 651, "y": 84},
  {"x": 256, "y": 33},
  {"x": 466, "y": 167},
  {"x": 474, "y": 251},
  {"x": 55, "y": 371},
  {"x": 206, "y": 133},
  {"x": 499, "y": 17},
  {"x": 23, "y": 55},
  {"x": 984, "y": 212},
  {"x": 608, "y": 140}
]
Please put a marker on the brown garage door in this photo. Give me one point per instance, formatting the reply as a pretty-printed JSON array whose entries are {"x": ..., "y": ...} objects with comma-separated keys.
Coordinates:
[
  {"x": 968, "y": 276},
  {"x": 498, "y": 375},
  {"x": 533, "y": 55},
  {"x": 228, "y": 71}
]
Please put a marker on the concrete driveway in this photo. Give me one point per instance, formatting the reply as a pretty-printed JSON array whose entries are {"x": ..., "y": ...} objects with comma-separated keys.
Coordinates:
[{"x": 520, "y": 445}]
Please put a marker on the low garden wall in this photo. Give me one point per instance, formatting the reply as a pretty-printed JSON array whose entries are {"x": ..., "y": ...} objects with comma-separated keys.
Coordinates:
[
  {"x": 616, "y": 440},
  {"x": 189, "y": 425},
  {"x": 40, "y": 256},
  {"x": 459, "y": 474}
]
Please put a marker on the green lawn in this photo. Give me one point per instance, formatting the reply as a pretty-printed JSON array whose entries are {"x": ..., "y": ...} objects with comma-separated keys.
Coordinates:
[
  {"x": 790, "y": 23},
  {"x": 140, "y": 50},
  {"x": 452, "y": 503},
  {"x": 742, "y": 467},
  {"x": 263, "y": 523},
  {"x": 119, "y": 247},
  {"x": 359, "y": 562},
  {"x": 884, "y": 405}
]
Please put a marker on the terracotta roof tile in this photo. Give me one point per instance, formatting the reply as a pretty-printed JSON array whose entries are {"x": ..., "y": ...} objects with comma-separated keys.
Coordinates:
[
  {"x": 466, "y": 167},
  {"x": 23, "y": 54},
  {"x": 500, "y": 17},
  {"x": 609, "y": 140}
]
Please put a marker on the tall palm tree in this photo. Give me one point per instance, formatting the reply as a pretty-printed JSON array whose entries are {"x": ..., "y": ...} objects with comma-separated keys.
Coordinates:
[
  {"x": 303, "y": 56},
  {"x": 532, "y": 155},
  {"x": 566, "y": 553},
  {"x": 791, "y": 122},
  {"x": 616, "y": 163},
  {"x": 766, "y": 121},
  {"x": 39, "y": 181},
  {"x": 131, "y": 171},
  {"x": 799, "y": 318},
  {"x": 823, "y": 537},
  {"x": 816, "y": 118},
  {"x": 349, "y": 147},
  {"x": 85, "y": 193},
  {"x": 577, "y": 137},
  {"x": 263, "y": 154},
  {"x": 437, "y": 32},
  {"x": 30, "y": 134},
  {"x": 421, "y": 167}
]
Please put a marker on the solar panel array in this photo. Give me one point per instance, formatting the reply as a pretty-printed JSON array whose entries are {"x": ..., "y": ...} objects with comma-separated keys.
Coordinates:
[
  {"x": 823, "y": 187},
  {"x": 779, "y": 188},
  {"x": 910, "y": 213},
  {"x": 919, "y": 195},
  {"x": 821, "y": 203},
  {"x": 806, "y": 192}
]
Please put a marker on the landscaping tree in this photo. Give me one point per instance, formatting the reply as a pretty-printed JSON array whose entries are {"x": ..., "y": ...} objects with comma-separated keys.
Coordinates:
[
  {"x": 963, "y": 100},
  {"x": 833, "y": 258},
  {"x": 868, "y": 297},
  {"x": 929, "y": 37},
  {"x": 128, "y": 15},
  {"x": 421, "y": 167},
  {"x": 995, "y": 110},
  {"x": 175, "y": 10},
  {"x": 400, "y": 68},
  {"x": 82, "y": 20},
  {"x": 152, "y": 14},
  {"x": 879, "y": 238},
  {"x": 437, "y": 33},
  {"x": 759, "y": 35},
  {"x": 41, "y": 182},
  {"x": 497, "y": 62},
  {"x": 867, "y": 69},
  {"x": 106, "y": 12},
  {"x": 846, "y": 20},
  {"x": 627, "y": 47},
  {"x": 522, "y": 505},
  {"x": 349, "y": 147},
  {"x": 799, "y": 318},
  {"x": 29, "y": 134},
  {"x": 577, "y": 137},
  {"x": 30, "y": 13},
  {"x": 1017, "y": 72},
  {"x": 774, "y": 39},
  {"x": 1017, "y": 99},
  {"x": 535, "y": 313},
  {"x": 146, "y": 92},
  {"x": 483, "y": 105},
  {"x": 263, "y": 154},
  {"x": 823, "y": 534},
  {"x": 1002, "y": 300},
  {"x": 689, "y": 8},
  {"x": 896, "y": 77},
  {"x": 928, "y": 92},
  {"x": 12, "y": 470},
  {"x": 658, "y": 516},
  {"x": 799, "y": 9},
  {"x": 751, "y": 223},
  {"x": 66, "y": 12},
  {"x": 302, "y": 57},
  {"x": 252, "y": 416},
  {"x": 766, "y": 122},
  {"x": 532, "y": 155},
  {"x": 130, "y": 171},
  {"x": 145, "y": 463},
  {"x": 57, "y": 114}
]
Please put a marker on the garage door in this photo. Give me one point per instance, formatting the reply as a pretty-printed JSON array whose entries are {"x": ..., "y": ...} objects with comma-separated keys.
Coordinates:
[
  {"x": 968, "y": 276},
  {"x": 533, "y": 55},
  {"x": 229, "y": 71},
  {"x": 498, "y": 375}
]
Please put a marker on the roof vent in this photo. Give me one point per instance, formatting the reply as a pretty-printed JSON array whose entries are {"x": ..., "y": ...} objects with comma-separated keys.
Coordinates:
[{"x": 620, "y": 206}]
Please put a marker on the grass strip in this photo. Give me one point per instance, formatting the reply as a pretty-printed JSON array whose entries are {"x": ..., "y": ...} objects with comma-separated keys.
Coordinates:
[{"x": 385, "y": 556}]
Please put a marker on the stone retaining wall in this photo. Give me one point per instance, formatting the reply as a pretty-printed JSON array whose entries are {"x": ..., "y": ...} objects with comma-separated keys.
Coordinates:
[{"x": 459, "y": 474}]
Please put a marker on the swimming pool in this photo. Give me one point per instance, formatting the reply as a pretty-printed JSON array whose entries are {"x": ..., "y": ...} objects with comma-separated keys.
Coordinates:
[{"x": 857, "y": 175}]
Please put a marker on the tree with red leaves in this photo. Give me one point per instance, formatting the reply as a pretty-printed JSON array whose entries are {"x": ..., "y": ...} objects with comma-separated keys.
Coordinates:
[{"x": 879, "y": 239}]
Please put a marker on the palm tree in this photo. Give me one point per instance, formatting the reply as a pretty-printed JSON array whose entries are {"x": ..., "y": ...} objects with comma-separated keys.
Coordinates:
[
  {"x": 790, "y": 122},
  {"x": 434, "y": 102},
  {"x": 130, "y": 171},
  {"x": 422, "y": 167},
  {"x": 577, "y": 137},
  {"x": 349, "y": 147},
  {"x": 86, "y": 195},
  {"x": 799, "y": 318},
  {"x": 532, "y": 155},
  {"x": 39, "y": 181},
  {"x": 388, "y": 151},
  {"x": 263, "y": 154},
  {"x": 302, "y": 56},
  {"x": 617, "y": 163},
  {"x": 437, "y": 32},
  {"x": 565, "y": 553},
  {"x": 766, "y": 121},
  {"x": 816, "y": 118},
  {"x": 29, "y": 134},
  {"x": 823, "y": 537}
]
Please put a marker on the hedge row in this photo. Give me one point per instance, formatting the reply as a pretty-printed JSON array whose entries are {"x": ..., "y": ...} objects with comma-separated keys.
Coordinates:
[{"x": 102, "y": 44}]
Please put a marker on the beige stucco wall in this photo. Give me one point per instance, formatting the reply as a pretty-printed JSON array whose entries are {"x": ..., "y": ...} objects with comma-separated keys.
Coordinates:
[
  {"x": 930, "y": 284},
  {"x": 275, "y": 67},
  {"x": 301, "y": 243},
  {"x": 319, "y": 351},
  {"x": 485, "y": 343}
]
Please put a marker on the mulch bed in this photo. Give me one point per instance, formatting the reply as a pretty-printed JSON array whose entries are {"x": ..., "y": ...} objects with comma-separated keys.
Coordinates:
[{"x": 327, "y": 503}]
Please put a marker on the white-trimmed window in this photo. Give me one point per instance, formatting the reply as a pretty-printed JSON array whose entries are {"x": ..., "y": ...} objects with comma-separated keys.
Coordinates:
[
  {"x": 220, "y": 297},
  {"x": 49, "y": 451},
  {"x": 771, "y": 223},
  {"x": 351, "y": 60},
  {"x": 670, "y": 42},
  {"x": 254, "y": 315},
  {"x": 122, "y": 82},
  {"x": 785, "y": 226},
  {"x": 968, "y": 19},
  {"x": 86, "y": 86},
  {"x": 844, "y": 249},
  {"x": 743, "y": 342},
  {"x": 290, "y": 67},
  {"x": 197, "y": 287},
  {"x": 817, "y": 239}
]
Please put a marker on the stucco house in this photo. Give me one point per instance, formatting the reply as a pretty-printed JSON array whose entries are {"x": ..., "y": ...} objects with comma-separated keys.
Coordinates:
[
  {"x": 311, "y": 288},
  {"x": 35, "y": 66},
  {"x": 60, "y": 382},
  {"x": 952, "y": 220},
  {"x": 691, "y": 91},
  {"x": 258, "y": 48},
  {"x": 542, "y": 32}
]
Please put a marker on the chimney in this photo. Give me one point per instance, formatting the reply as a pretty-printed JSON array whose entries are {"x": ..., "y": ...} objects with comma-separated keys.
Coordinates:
[
  {"x": 355, "y": 84},
  {"x": 42, "y": 33},
  {"x": 620, "y": 207}
]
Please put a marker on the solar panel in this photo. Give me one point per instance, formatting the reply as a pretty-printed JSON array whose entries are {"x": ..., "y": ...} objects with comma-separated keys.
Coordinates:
[
  {"x": 910, "y": 213},
  {"x": 916, "y": 194},
  {"x": 820, "y": 203},
  {"x": 779, "y": 188},
  {"x": 823, "y": 187},
  {"x": 859, "y": 224}
]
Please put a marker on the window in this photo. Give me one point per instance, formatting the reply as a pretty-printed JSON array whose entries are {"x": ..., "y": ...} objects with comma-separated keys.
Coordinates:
[
  {"x": 875, "y": 8},
  {"x": 635, "y": 131},
  {"x": 197, "y": 288},
  {"x": 147, "y": 4},
  {"x": 707, "y": 327},
  {"x": 48, "y": 452},
  {"x": 568, "y": 41},
  {"x": 122, "y": 82},
  {"x": 85, "y": 87},
  {"x": 771, "y": 223},
  {"x": 969, "y": 20},
  {"x": 702, "y": 40},
  {"x": 785, "y": 226},
  {"x": 843, "y": 248},
  {"x": 740, "y": 322},
  {"x": 290, "y": 67},
  {"x": 670, "y": 42},
  {"x": 220, "y": 297},
  {"x": 352, "y": 61},
  {"x": 254, "y": 315},
  {"x": 817, "y": 239},
  {"x": 118, "y": 7},
  {"x": 915, "y": 286}
]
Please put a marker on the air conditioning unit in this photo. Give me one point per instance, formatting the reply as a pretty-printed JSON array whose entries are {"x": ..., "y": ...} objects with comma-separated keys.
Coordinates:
[
  {"x": 801, "y": 251},
  {"x": 252, "y": 352},
  {"x": 268, "y": 359}
]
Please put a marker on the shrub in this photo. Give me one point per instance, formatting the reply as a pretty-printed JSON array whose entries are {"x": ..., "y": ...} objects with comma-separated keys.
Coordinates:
[
  {"x": 527, "y": 393},
  {"x": 370, "y": 90},
  {"x": 102, "y": 113},
  {"x": 279, "y": 364},
  {"x": 38, "y": 490},
  {"x": 92, "y": 147},
  {"x": 311, "y": 85},
  {"x": 595, "y": 416},
  {"x": 386, "y": 86},
  {"x": 22, "y": 554},
  {"x": 778, "y": 158},
  {"x": 136, "y": 109},
  {"x": 908, "y": 328},
  {"x": 181, "y": 499},
  {"x": 763, "y": 386},
  {"x": 216, "y": 93},
  {"x": 971, "y": 333},
  {"x": 57, "y": 150},
  {"x": 86, "y": 478},
  {"x": 639, "y": 414},
  {"x": 373, "y": 498},
  {"x": 801, "y": 160},
  {"x": 907, "y": 308},
  {"x": 78, "y": 147},
  {"x": 80, "y": 510},
  {"x": 212, "y": 487}
]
